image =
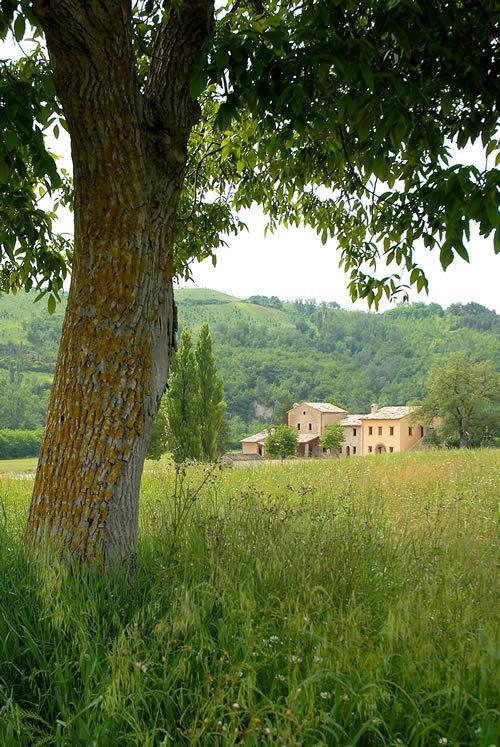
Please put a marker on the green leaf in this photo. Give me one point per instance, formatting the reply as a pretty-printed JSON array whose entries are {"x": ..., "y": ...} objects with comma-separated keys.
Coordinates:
[
  {"x": 461, "y": 250},
  {"x": 198, "y": 84},
  {"x": 19, "y": 27},
  {"x": 4, "y": 171},
  {"x": 446, "y": 255},
  {"x": 51, "y": 304}
]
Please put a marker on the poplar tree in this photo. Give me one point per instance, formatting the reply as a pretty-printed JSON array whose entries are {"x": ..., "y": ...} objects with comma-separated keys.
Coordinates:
[
  {"x": 183, "y": 403},
  {"x": 212, "y": 407}
]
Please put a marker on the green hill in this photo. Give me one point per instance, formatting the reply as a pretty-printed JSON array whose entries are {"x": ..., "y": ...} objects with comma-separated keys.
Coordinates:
[{"x": 270, "y": 353}]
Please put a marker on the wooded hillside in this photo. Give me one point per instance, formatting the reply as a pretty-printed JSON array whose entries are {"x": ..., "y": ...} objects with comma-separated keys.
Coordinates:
[{"x": 270, "y": 353}]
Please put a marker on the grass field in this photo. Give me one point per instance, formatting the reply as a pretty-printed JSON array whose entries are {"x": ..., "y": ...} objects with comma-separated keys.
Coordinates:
[
  {"x": 28, "y": 465},
  {"x": 324, "y": 603}
]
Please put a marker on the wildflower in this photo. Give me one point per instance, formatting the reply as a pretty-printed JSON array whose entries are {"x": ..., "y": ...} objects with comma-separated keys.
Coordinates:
[
  {"x": 324, "y": 695},
  {"x": 280, "y": 677},
  {"x": 295, "y": 659},
  {"x": 236, "y": 706},
  {"x": 318, "y": 659},
  {"x": 274, "y": 639},
  {"x": 141, "y": 666},
  {"x": 442, "y": 740}
]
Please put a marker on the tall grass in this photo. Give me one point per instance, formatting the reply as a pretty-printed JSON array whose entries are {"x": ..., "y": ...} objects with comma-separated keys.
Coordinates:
[{"x": 330, "y": 603}]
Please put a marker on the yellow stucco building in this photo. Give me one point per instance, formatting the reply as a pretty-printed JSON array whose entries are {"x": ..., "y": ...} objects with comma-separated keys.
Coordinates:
[{"x": 388, "y": 429}]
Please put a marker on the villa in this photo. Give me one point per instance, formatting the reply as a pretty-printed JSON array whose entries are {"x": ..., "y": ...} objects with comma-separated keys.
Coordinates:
[{"x": 385, "y": 429}]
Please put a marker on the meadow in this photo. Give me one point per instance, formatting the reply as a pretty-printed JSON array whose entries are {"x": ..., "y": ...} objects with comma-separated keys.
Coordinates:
[{"x": 346, "y": 602}]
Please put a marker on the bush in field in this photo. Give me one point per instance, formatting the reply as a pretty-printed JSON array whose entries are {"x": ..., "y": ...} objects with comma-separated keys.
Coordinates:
[
  {"x": 16, "y": 444},
  {"x": 333, "y": 437},
  {"x": 282, "y": 442}
]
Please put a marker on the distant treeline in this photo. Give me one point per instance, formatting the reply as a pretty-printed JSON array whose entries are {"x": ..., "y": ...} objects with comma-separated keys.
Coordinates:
[{"x": 15, "y": 444}]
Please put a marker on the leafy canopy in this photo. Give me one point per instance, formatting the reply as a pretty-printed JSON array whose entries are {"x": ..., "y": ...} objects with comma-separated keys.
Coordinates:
[{"x": 338, "y": 114}]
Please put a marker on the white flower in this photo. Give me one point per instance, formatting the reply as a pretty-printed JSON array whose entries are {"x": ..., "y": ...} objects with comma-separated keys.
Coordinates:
[
  {"x": 295, "y": 659},
  {"x": 236, "y": 706},
  {"x": 318, "y": 658},
  {"x": 141, "y": 666},
  {"x": 324, "y": 695},
  {"x": 442, "y": 740}
]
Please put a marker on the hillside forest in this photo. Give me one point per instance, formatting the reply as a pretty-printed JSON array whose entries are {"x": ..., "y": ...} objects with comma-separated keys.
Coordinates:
[{"x": 270, "y": 353}]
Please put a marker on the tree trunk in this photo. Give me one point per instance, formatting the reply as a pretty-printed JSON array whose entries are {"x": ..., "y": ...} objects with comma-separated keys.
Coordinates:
[{"x": 129, "y": 153}]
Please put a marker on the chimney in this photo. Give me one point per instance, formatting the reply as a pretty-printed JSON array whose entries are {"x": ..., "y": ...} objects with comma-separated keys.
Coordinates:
[{"x": 374, "y": 407}]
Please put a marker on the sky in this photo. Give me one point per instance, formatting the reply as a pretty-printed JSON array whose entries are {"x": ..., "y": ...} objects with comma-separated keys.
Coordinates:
[{"x": 292, "y": 263}]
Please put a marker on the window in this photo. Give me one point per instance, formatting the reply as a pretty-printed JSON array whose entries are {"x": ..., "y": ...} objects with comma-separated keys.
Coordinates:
[
  {"x": 380, "y": 430},
  {"x": 391, "y": 430},
  {"x": 340, "y": 450},
  {"x": 304, "y": 412},
  {"x": 370, "y": 430},
  {"x": 298, "y": 426},
  {"x": 421, "y": 431},
  {"x": 370, "y": 449},
  {"x": 310, "y": 426},
  {"x": 391, "y": 449},
  {"x": 353, "y": 449},
  {"x": 354, "y": 431},
  {"x": 410, "y": 431}
]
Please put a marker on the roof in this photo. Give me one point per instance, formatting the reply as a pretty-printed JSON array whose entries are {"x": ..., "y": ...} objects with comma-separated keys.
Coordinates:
[
  {"x": 389, "y": 413},
  {"x": 305, "y": 438},
  {"x": 352, "y": 419},
  {"x": 323, "y": 406},
  {"x": 256, "y": 438}
]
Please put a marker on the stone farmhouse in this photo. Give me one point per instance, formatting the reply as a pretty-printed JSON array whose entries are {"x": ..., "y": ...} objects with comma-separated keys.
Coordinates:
[{"x": 385, "y": 429}]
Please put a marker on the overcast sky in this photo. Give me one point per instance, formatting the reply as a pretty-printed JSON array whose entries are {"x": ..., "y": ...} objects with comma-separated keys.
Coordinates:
[{"x": 294, "y": 264}]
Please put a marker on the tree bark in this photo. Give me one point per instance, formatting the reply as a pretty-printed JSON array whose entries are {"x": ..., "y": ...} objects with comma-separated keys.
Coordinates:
[{"x": 129, "y": 154}]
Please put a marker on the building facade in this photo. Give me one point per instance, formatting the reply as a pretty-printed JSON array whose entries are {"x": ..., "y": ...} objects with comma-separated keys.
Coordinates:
[
  {"x": 388, "y": 429},
  {"x": 310, "y": 419},
  {"x": 353, "y": 436}
]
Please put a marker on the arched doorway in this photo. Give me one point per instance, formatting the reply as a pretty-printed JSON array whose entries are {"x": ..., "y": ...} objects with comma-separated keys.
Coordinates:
[
  {"x": 380, "y": 449},
  {"x": 348, "y": 451}
]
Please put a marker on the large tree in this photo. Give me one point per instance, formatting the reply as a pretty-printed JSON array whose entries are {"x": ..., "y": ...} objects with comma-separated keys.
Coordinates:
[
  {"x": 338, "y": 114},
  {"x": 465, "y": 397}
]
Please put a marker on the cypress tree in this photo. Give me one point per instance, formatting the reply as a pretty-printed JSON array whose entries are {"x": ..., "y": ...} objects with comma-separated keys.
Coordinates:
[
  {"x": 182, "y": 403},
  {"x": 212, "y": 407}
]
